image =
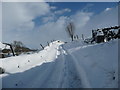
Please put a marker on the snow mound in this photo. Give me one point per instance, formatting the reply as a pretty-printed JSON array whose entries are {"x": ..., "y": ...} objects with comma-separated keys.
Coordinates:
[
  {"x": 60, "y": 65},
  {"x": 99, "y": 63}
]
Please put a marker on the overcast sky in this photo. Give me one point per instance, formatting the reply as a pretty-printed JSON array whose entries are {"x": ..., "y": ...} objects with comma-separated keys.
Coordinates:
[{"x": 39, "y": 22}]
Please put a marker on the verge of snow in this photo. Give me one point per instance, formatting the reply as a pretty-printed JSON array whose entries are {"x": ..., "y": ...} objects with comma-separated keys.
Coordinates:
[{"x": 71, "y": 65}]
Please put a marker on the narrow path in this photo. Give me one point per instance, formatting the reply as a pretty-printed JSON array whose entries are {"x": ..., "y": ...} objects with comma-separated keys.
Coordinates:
[
  {"x": 77, "y": 76},
  {"x": 63, "y": 72}
]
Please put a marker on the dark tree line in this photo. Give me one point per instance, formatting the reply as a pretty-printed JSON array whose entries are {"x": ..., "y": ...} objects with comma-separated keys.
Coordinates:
[{"x": 16, "y": 48}]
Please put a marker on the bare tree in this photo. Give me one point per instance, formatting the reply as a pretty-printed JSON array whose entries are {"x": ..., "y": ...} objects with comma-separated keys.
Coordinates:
[
  {"x": 70, "y": 30},
  {"x": 17, "y": 44}
]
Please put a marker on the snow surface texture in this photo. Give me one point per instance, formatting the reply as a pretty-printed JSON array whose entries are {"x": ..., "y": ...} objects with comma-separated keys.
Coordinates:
[{"x": 71, "y": 65}]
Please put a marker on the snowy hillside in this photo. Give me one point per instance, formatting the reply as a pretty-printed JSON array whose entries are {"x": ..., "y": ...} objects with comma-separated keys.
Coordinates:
[{"x": 70, "y": 65}]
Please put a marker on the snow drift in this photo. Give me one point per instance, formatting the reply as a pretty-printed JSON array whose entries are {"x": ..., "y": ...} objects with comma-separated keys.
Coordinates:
[{"x": 70, "y": 65}]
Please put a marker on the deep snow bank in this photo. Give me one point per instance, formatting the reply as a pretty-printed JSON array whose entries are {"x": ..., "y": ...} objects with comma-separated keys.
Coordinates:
[
  {"x": 25, "y": 62},
  {"x": 97, "y": 64},
  {"x": 71, "y": 65}
]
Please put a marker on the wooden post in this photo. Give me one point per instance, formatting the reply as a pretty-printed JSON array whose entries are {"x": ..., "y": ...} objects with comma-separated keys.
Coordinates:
[
  {"x": 42, "y": 46},
  {"x": 82, "y": 37},
  {"x": 48, "y": 43}
]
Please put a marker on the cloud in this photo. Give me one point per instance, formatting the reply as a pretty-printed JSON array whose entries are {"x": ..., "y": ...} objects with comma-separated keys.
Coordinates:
[
  {"x": 18, "y": 22},
  {"x": 107, "y": 9},
  {"x": 62, "y": 11},
  {"x": 53, "y": 15},
  {"x": 55, "y": 30},
  {"x": 104, "y": 19},
  {"x": 52, "y": 30},
  {"x": 47, "y": 19},
  {"x": 81, "y": 18},
  {"x": 20, "y": 15},
  {"x": 87, "y": 7},
  {"x": 53, "y": 7}
]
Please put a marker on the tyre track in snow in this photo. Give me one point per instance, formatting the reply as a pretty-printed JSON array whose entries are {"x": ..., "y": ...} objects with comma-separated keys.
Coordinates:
[
  {"x": 64, "y": 72},
  {"x": 69, "y": 77},
  {"x": 54, "y": 77},
  {"x": 58, "y": 74},
  {"x": 44, "y": 78},
  {"x": 64, "y": 81},
  {"x": 76, "y": 72}
]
